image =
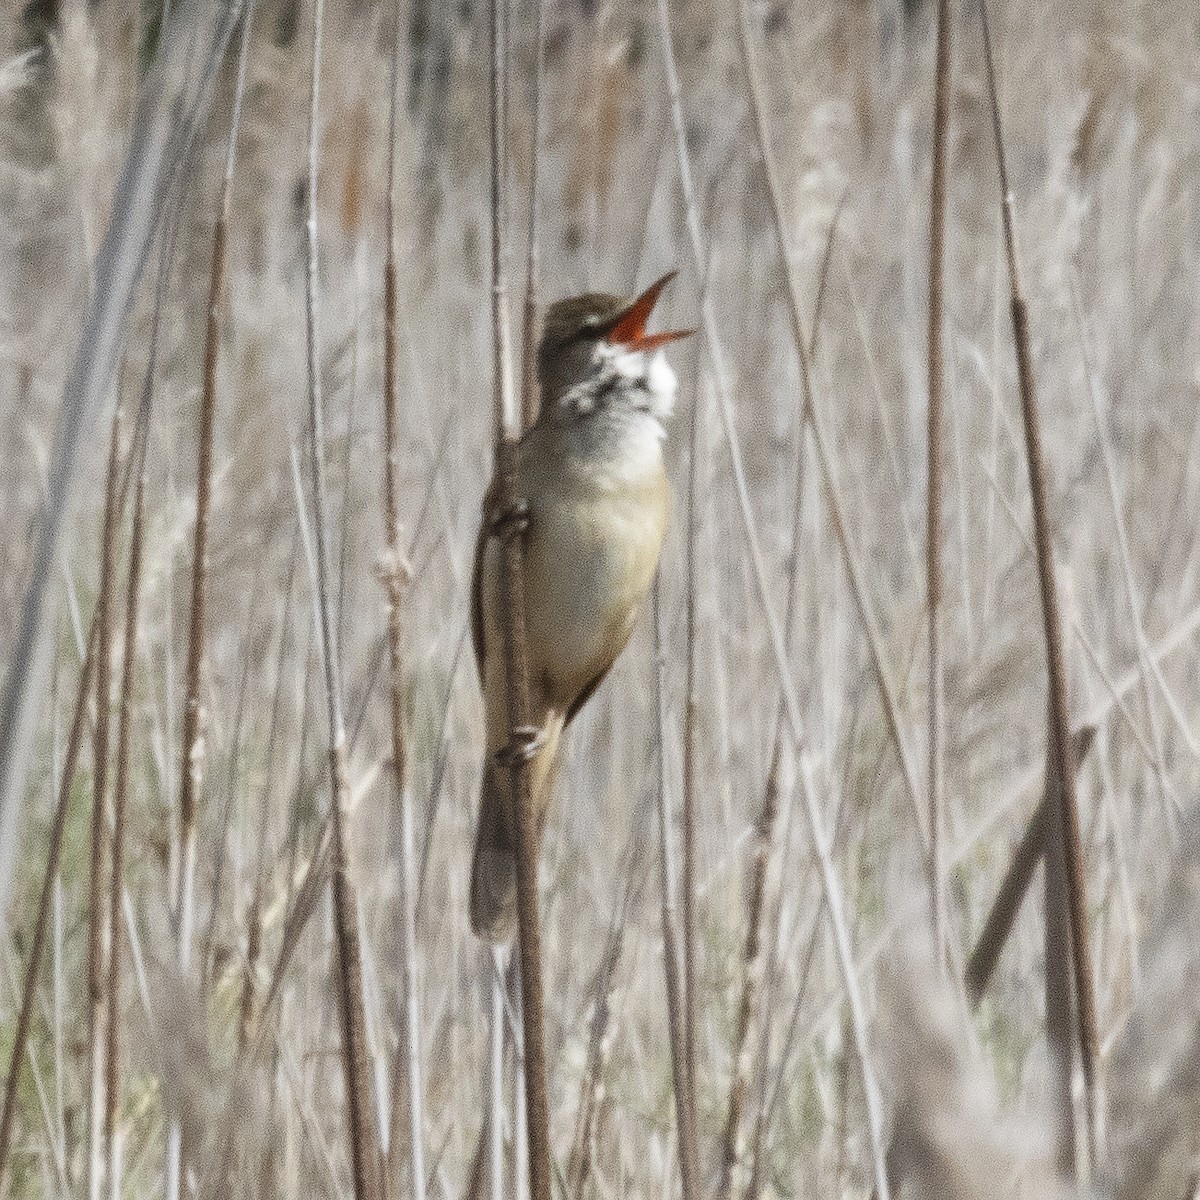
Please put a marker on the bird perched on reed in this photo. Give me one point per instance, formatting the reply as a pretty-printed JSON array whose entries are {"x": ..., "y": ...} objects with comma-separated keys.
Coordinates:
[{"x": 592, "y": 503}]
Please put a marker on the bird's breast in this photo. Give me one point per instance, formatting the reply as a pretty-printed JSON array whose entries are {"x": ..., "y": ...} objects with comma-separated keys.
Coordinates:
[{"x": 596, "y": 532}]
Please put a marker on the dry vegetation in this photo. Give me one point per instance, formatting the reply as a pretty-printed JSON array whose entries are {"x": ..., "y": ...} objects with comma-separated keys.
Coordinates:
[{"x": 229, "y": 1059}]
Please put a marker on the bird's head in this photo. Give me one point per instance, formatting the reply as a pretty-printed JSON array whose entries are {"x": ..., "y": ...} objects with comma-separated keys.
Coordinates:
[{"x": 595, "y": 353}]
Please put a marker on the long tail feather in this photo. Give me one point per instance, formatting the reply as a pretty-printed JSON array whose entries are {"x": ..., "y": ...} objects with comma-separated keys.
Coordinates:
[{"x": 494, "y": 866}]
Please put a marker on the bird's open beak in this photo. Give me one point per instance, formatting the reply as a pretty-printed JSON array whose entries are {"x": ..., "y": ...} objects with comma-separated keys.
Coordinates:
[{"x": 630, "y": 327}]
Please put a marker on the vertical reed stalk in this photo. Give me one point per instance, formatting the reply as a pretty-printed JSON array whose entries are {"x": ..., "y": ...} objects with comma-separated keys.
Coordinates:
[
  {"x": 393, "y": 576},
  {"x": 1066, "y": 819},
  {"x": 191, "y": 772},
  {"x": 495, "y": 1080},
  {"x": 1058, "y": 992},
  {"x": 689, "y": 1170},
  {"x": 505, "y": 419},
  {"x": 519, "y": 1188},
  {"x": 696, "y": 431},
  {"x": 529, "y": 324},
  {"x": 121, "y": 794},
  {"x": 689, "y": 803},
  {"x": 100, "y": 739},
  {"x": 933, "y": 525},
  {"x": 137, "y": 472},
  {"x": 191, "y": 775},
  {"x": 364, "y": 1162}
]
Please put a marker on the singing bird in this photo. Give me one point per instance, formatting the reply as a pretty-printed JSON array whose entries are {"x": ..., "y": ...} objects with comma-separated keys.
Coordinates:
[{"x": 591, "y": 502}]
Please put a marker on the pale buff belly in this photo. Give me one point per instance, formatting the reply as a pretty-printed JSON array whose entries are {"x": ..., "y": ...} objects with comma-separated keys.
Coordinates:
[{"x": 589, "y": 565}]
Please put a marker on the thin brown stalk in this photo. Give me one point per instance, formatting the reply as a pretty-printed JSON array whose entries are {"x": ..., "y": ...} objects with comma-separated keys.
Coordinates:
[
  {"x": 364, "y": 1162},
  {"x": 494, "y": 1126},
  {"x": 193, "y": 748},
  {"x": 1059, "y": 1007},
  {"x": 393, "y": 576},
  {"x": 529, "y": 323},
  {"x": 120, "y": 799},
  {"x": 191, "y": 775},
  {"x": 933, "y": 526},
  {"x": 688, "y": 938},
  {"x": 1062, "y": 744},
  {"x": 100, "y": 739},
  {"x": 1015, "y": 885},
  {"x": 690, "y": 708},
  {"x": 689, "y": 1170},
  {"x": 57, "y": 827},
  {"x": 516, "y": 663},
  {"x": 217, "y": 278},
  {"x": 518, "y": 1187},
  {"x": 136, "y": 472}
]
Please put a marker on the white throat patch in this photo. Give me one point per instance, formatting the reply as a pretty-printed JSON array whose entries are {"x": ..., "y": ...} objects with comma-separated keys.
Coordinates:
[{"x": 646, "y": 382}]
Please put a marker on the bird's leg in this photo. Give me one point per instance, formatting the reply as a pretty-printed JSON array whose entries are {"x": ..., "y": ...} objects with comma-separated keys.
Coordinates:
[
  {"x": 523, "y": 745},
  {"x": 510, "y": 521}
]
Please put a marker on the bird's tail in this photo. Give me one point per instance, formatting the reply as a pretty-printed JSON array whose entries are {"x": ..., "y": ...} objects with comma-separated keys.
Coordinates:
[{"x": 494, "y": 866}]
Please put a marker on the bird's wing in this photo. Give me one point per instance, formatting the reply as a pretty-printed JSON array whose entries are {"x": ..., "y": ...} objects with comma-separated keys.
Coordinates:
[
  {"x": 477, "y": 623},
  {"x": 586, "y": 692}
]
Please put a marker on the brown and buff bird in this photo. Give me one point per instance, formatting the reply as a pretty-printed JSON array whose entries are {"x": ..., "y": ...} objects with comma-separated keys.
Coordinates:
[{"x": 592, "y": 499}]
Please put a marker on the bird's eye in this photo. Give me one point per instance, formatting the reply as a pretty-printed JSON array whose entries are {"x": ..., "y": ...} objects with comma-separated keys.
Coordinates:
[{"x": 591, "y": 321}]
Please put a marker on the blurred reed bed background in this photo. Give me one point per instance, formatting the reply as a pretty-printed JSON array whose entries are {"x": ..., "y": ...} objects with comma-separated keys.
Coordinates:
[{"x": 234, "y": 1057}]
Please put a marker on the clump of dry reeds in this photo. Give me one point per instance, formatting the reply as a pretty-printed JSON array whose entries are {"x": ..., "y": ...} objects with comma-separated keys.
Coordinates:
[{"x": 252, "y": 750}]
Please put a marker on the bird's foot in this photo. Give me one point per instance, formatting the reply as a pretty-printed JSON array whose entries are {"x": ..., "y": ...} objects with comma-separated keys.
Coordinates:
[
  {"x": 511, "y": 521},
  {"x": 523, "y": 744}
]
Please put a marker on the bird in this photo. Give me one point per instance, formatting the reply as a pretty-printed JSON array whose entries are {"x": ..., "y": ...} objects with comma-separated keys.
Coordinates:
[{"x": 592, "y": 501}]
